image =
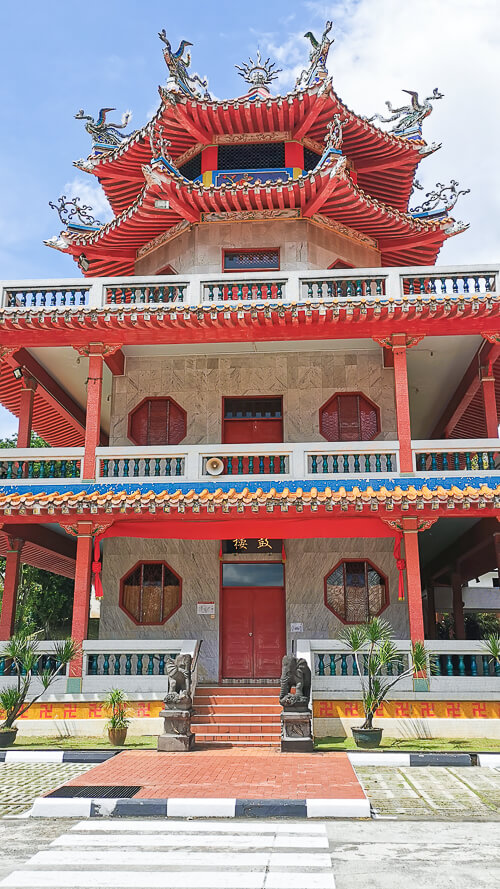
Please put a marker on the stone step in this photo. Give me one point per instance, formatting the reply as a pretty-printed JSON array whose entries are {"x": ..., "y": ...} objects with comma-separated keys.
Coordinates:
[
  {"x": 237, "y": 710},
  {"x": 229, "y": 728},
  {"x": 234, "y": 719},
  {"x": 238, "y": 690},
  {"x": 233, "y": 705},
  {"x": 241, "y": 741}
]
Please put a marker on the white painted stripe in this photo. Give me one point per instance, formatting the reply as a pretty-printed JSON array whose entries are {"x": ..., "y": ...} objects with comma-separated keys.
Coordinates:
[
  {"x": 57, "y": 807},
  {"x": 108, "y": 879},
  {"x": 300, "y": 881},
  {"x": 34, "y": 756},
  {"x": 200, "y": 808},
  {"x": 238, "y": 826},
  {"x": 210, "y": 841},
  {"x": 379, "y": 759},
  {"x": 338, "y": 808},
  {"x": 489, "y": 760},
  {"x": 114, "y": 858}
]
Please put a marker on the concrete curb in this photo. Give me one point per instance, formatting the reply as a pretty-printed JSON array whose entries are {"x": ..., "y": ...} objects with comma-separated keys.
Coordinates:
[
  {"x": 57, "y": 756},
  {"x": 404, "y": 760},
  {"x": 195, "y": 807}
]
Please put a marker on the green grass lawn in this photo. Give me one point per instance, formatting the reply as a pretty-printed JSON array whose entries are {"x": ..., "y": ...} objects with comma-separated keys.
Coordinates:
[
  {"x": 134, "y": 742},
  {"x": 416, "y": 745}
]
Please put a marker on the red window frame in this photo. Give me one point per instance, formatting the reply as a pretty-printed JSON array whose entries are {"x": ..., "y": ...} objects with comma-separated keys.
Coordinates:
[
  {"x": 139, "y": 406},
  {"x": 358, "y": 395},
  {"x": 367, "y": 563},
  {"x": 123, "y": 580}
]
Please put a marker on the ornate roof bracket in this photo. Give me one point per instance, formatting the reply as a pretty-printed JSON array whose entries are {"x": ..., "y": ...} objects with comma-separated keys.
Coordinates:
[
  {"x": 180, "y": 80},
  {"x": 407, "y": 120},
  {"x": 102, "y": 133},
  {"x": 317, "y": 71},
  {"x": 439, "y": 201}
]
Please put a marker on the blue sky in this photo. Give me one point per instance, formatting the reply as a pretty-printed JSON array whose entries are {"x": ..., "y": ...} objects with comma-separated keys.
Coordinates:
[{"x": 58, "y": 57}]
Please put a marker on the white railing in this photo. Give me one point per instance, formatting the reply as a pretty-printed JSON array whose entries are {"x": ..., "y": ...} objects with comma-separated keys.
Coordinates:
[
  {"x": 407, "y": 285},
  {"x": 8, "y": 676},
  {"x": 245, "y": 462},
  {"x": 452, "y": 666}
]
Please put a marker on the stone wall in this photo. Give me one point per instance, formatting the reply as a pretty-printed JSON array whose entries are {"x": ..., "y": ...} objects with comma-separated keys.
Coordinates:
[
  {"x": 305, "y": 380},
  {"x": 197, "y": 563},
  {"x": 302, "y": 244}
]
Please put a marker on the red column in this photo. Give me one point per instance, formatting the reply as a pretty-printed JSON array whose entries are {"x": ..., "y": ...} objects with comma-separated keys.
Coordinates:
[
  {"x": 26, "y": 411},
  {"x": 81, "y": 598},
  {"x": 93, "y": 418},
  {"x": 9, "y": 599},
  {"x": 413, "y": 582},
  {"x": 402, "y": 403},
  {"x": 489, "y": 401},
  {"x": 458, "y": 605}
]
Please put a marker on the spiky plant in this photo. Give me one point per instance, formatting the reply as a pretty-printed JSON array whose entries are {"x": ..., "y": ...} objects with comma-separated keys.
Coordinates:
[
  {"x": 492, "y": 647},
  {"x": 379, "y": 663},
  {"x": 116, "y": 702},
  {"x": 23, "y": 652}
]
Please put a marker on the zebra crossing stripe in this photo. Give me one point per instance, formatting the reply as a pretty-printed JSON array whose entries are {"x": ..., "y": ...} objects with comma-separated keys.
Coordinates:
[{"x": 205, "y": 855}]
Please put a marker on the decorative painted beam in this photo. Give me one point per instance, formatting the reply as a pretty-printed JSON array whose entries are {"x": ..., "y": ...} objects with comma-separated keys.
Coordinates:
[{"x": 116, "y": 363}]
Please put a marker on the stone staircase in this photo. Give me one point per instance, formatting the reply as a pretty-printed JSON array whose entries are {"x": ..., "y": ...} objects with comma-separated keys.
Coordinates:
[{"x": 237, "y": 715}]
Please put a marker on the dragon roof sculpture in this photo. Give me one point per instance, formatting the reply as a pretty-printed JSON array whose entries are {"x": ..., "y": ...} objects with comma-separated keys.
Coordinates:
[{"x": 103, "y": 132}]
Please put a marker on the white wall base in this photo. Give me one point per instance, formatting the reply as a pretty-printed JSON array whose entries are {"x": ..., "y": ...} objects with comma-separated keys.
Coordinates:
[{"x": 418, "y": 729}]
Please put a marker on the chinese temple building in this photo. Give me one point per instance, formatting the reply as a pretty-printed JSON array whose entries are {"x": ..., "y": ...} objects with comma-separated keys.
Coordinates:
[{"x": 270, "y": 414}]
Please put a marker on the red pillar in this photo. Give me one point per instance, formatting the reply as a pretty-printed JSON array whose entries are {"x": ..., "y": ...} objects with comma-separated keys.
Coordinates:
[
  {"x": 26, "y": 411},
  {"x": 402, "y": 402},
  {"x": 413, "y": 582},
  {"x": 9, "y": 599},
  {"x": 458, "y": 605},
  {"x": 489, "y": 401},
  {"x": 93, "y": 418},
  {"x": 81, "y": 598}
]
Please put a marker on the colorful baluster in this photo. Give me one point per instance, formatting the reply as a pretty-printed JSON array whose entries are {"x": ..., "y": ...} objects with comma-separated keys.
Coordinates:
[
  {"x": 473, "y": 665},
  {"x": 346, "y": 462},
  {"x": 343, "y": 665},
  {"x": 335, "y": 461},
  {"x": 333, "y": 668},
  {"x": 105, "y": 664},
  {"x": 128, "y": 665},
  {"x": 178, "y": 465},
  {"x": 356, "y": 463},
  {"x": 325, "y": 463},
  {"x": 449, "y": 665},
  {"x": 461, "y": 665},
  {"x": 161, "y": 665},
  {"x": 314, "y": 464},
  {"x": 230, "y": 465},
  {"x": 239, "y": 470},
  {"x": 321, "y": 664},
  {"x": 117, "y": 668},
  {"x": 151, "y": 664},
  {"x": 282, "y": 464}
]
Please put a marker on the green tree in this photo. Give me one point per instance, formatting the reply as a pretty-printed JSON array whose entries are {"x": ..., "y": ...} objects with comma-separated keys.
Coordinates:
[{"x": 36, "y": 442}]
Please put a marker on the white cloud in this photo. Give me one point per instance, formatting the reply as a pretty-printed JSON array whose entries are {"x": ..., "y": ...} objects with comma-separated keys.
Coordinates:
[
  {"x": 90, "y": 193},
  {"x": 384, "y": 46}
]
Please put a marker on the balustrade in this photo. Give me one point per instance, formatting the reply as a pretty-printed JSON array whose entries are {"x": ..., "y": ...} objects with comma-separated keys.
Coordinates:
[
  {"x": 155, "y": 466},
  {"x": 37, "y": 464},
  {"x": 457, "y": 455},
  {"x": 244, "y": 290},
  {"x": 39, "y": 296},
  {"x": 344, "y": 287},
  {"x": 449, "y": 284},
  {"x": 347, "y": 462},
  {"x": 251, "y": 464},
  {"x": 141, "y": 294}
]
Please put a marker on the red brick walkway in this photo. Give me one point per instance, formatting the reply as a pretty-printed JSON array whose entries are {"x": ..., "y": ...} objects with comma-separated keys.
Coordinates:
[{"x": 242, "y": 774}]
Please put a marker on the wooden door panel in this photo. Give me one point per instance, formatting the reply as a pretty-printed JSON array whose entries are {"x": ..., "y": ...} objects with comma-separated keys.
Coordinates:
[
  {"x": 237, "y": 629},
  {"x": 268, "y": 631}
]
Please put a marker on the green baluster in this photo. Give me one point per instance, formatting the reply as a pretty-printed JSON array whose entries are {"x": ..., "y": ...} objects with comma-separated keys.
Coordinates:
[
  {"x": 93, "y": 664},
  {"x": 473, "y": 665},
  {"x": 282, "y": 464},
  {"x": 321, "y": 664},
  {"x": 449, "y": 665},
  {"x": 210, "y": 292},
  {"x": 168, "y": 465},
  {"x": 389, "y": 669},
  {"x": 365, "y": 664},
  {"x": 239, "y": 470},
  {"x": 151, "y": 664},
  {"x": 339, "y": 288},
  {"x": 279, "y": 289},
  {"x": 388, "y": 462},
  {"x": 491, "y": 461},
  {"x": 147, "y": 467},
  {"x": 314, "y": 464},
  {"x": 497, "y": 668},
  {"x": 128, "y": 665},
  {"x": 444, "y": 458},
  {"x": 378, "y": 287},
  {"x": 434, "y": 465},
  {"x": 436, "y": 664},
  {"x": 333, "y": 669},
  {"x": 456, "y": 460},
  {"x": 329, "y": 288},
  {"x": 157, "y": 469},
  {"x": 161, "y": 665},
  {"x": 378, "y": 463},
  {"x": 310, "y": 290},
  {"x": 250, "y": 465},
  {"x": 178, "y": 465},
  {"x": 2, "y": 666},
  {"x": 325, "y": 462},
  {"x": 359, "y": 288},
  {"x": 259, "y": 290},
  {"x": 367, "y": 463},
  {"x": 461, "y": 665},
  {"x": 335, "y": 460},
  {"x": 31, "y": 467},
  {"x": 117, "y": 664},
  {"x": 486, "y": 665},
  {"x": 343, "y": 665},
  {"x": 105, "y": 665},
  {"x": 355, "y": 671},
  {"x": 467, "y": 460},
  {"x": 116, "y": 468},
  {"x": 261, "y": 466},
  {"x": 411, "y": 286},
  {"x": 20, "y": 469},
  {"x": 356, "y": 463},
  {"x": 126, "y": 464},
  {"x": 349, "y": 288},
  {"x": 240, "y": 291},
  {"x": 64, "y": 468},
  {"x": 136, "y": 466},
  {"x": 52, "y": 469},
  {"x": 346, "y": 462},
  {"x": 271, "y": 463},
  {"x": 138, "y": 669},
  {"x": 9, "y": 468}
]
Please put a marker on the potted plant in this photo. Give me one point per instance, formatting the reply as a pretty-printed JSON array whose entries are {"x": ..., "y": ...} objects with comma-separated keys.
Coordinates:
[
  {"x": 118, "y": 722},
  {"x": 28, "y": 663},
  {"x": 379, "y": 666}
]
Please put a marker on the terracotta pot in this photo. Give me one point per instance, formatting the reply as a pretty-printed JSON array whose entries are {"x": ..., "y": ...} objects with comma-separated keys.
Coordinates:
[
  {"x": 117, "y": 736},
  {"x": 7, "y": 737},
  {"x": 367, "y": 738}
]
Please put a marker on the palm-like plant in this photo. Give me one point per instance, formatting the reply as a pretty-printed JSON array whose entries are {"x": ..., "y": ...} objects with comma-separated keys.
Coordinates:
[
  {"x": 23, "y": 652},
  {"x": 379, "y": 663},
  {"x": 492, "y": 647},
  {"x": 117, "y": 703}
]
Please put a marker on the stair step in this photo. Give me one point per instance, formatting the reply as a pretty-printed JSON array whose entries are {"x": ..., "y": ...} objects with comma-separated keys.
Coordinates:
[
  {"x": 245, "y": 706},
  {"x": 228, "y": 727},
  {"x": 264, "y": 690},
  {"x": 235, "y": 719}
]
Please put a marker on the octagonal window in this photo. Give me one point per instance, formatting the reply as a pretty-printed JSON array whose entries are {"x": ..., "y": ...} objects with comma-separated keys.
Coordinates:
[
  {"x": 157, "y": 421},
  {"x": 355, "y": 591},
  {"x": 150, "y": 593},
  {"x": 349, "y": 416}
]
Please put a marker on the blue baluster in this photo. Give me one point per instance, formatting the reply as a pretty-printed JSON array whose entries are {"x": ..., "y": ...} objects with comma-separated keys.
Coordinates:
[
  {"x": 388, "y": 462},
  {"x": 239, "y": 470},
  {"x": 325, "y": 462},
  {"x": 497, "y": 668},
  {"x": 2, "y": 666},
  {"x": 321, "y": 664},
  {"x": 314, "y": 464},
  {"x": 444, "y": 458},
  {"x": 151, "y": 664},
  {"x": 93, "y": 664},
  {"x": 467, "y": 460},
  {"x": 346, "y": 462},
  {"x": 147, "y": 467},
  {"x": 126, "y": 471},
  {"x": 117, "y": 664},
  {"x": 282, "y": 464},
  {"x": 161, "y": 665},
  {"x": 436, "y": 665},
  {"x": 250, "y": 465},
  {"x": 343, "y": 665},
  {"x": 368, "y": 467},
  {"x": 333, "y": 669},
  {"x": 461, "y": 665},
  {"x": 136, "y": 466},
  {"x": 168, "y": 466},
  {"x": 128, "y": 665},
  {"x": 271, "y": 463},
  {"x": 355, "y": 671},
  {"x": 139, "y": 664},
  {"x": 486, "y": 665},
  {"x": 105, "y": 664},
  {"x": 356, "y": 463},
  {"x": 473, "y": 665},
  {"x": 378, "y": 463},
  {"x": 230, "y": 465},
  {"x": 178, "y": 465},
  {"x": 456, "y": 460},
  {"x": 335, "y": 462},
  {"x": 449, "y": 665},
  {"x": 434, "y": 465}
]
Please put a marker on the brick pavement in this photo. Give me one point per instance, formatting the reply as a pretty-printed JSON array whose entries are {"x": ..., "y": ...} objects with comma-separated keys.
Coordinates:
[{"x": 255, "y": 773}]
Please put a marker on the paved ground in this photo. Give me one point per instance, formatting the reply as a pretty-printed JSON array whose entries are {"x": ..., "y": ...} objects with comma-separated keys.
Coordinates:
[
  {"x": 450, "y": 793},
  {"x": 245, "y": 854},
  {"x": 20, "y": 783},
  {"x": 244, "y": 774}
]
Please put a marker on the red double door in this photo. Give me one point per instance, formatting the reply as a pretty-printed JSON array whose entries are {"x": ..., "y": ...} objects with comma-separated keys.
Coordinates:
[{"x": 253, "y": 632}]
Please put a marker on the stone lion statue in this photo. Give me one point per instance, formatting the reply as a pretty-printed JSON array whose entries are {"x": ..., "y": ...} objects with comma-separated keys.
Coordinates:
[
  {"x": 295, "y": 673},
  {"x": 179, "y": 675}
]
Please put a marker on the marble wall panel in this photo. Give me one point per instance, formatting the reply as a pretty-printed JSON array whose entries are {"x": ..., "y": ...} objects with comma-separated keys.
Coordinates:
[{"x": 305, "y": 380}]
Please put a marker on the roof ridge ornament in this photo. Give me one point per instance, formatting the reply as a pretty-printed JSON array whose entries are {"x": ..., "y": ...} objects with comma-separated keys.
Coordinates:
[
  {"x": 408, "y": 119},
  {"x": 104, "y": 133},
  {"x": 180, "y": 80},
  {"x": 258, "y": 73},
  {"x": 439, "y": 201},
  {"x": 74, "y": 215},
  {"x": 317, "y": 71}
]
